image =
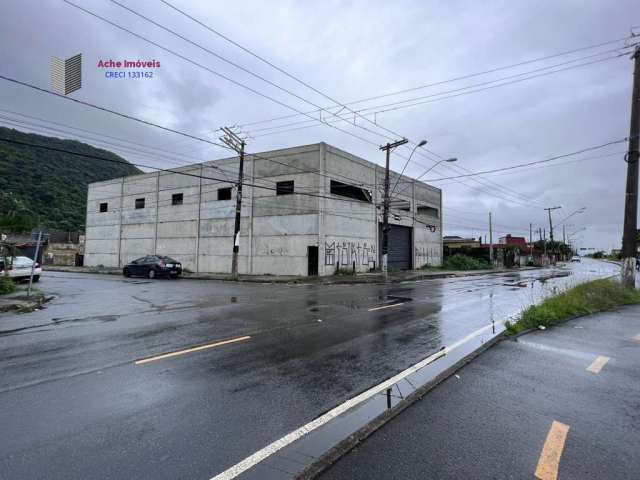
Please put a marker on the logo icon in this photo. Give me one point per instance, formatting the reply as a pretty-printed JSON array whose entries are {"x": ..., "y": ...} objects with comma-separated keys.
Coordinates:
[{"x": 66, "y": 75}]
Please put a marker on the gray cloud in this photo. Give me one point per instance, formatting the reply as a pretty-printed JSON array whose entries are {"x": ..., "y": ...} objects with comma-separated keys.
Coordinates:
[{"x": 353, "y": 50}]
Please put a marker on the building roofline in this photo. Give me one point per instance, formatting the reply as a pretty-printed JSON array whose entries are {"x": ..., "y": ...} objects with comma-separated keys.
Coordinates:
[{"x": 275, "y": 152}]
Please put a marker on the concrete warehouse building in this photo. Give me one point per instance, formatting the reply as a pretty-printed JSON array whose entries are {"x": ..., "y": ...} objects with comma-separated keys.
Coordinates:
[{"x": 305, "y": 211}]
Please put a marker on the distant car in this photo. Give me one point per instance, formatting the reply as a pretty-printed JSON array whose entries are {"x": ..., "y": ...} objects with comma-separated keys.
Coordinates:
[
  {"x": 575, "y": 258},
  {"x": 20, "y": 268},
  {"x": 153, "y": 266}
]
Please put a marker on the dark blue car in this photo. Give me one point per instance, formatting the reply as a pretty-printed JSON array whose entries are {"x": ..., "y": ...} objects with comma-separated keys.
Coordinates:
[{"x": 153, "y": 266}]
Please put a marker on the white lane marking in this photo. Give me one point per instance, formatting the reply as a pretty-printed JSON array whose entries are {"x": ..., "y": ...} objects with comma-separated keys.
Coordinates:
[
  {"x": 190, "y": 350},
  {"x": 386, "y": 306},
  {"x": 279, "y": 444}
]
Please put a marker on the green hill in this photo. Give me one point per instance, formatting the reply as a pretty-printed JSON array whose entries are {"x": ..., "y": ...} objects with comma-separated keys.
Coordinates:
[{"x": 40, "y": 187}]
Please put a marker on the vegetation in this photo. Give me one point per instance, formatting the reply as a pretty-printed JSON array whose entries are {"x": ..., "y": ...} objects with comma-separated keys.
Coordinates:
[
  {"x": 460, "y": 261},
  {"x": 6, "y": 285},
  {"x": 48, "y": 188},
  {"x": 345, "y": 271},
  {"x": 587, "y": 298}
]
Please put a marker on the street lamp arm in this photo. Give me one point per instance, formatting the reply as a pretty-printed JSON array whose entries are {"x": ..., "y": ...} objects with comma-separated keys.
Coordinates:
[{"x": 420, "y": 144}]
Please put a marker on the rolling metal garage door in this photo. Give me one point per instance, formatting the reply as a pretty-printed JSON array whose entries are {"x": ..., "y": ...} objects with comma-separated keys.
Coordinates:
[{"x": 399, "y": 247}]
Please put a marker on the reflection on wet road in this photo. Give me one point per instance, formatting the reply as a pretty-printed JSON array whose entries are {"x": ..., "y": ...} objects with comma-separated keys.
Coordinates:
[{"x": 73, "y": 402}]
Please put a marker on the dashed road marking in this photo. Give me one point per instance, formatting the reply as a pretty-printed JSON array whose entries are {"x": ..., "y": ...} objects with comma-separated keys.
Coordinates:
[
  {"x": 597, "y": 364},
  {"x": 386, "y": 306},
  {"x": 549, "y": 460},
  {"x": 190, "y": 350},
  {"x": 291, "y": 437}
]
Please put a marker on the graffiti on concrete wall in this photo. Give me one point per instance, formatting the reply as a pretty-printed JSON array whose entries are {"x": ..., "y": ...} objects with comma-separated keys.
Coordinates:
[
  {"x": 427, "y": 255},
  {"x": 266, "y": 249},
  {"x": 348, "y": 253}
]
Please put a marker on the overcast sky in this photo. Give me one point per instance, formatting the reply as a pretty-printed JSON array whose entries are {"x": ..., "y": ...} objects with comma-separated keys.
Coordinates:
[{"x": 351, "y": 51}]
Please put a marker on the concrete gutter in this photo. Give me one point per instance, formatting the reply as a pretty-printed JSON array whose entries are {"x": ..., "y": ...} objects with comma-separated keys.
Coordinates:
[
  {"x": 343, "y": 447},
  {"x": 362, "y": 278}
]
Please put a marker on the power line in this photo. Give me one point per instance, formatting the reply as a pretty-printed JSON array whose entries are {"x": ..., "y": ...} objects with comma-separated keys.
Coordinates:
[
  {"x": 225, "y": 77},
  {"x": 559, "y": 164},
  {"x": 376, "y": 108},
  {"x": 186, "y": 59},
  {"x": 511, "y": 167},
  {"x": 454, "y": 79},
  {"x": 394, "y": 134},
  {"x": 165, "y": 170},
  {"x": 108, "y": 110}
]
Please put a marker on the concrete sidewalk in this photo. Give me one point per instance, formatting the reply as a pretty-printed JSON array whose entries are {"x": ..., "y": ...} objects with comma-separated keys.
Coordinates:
[
  {"x": 19, "y": 301},
  {"x": 563, "y": 402},
  {"x": 374, "y": 277}
]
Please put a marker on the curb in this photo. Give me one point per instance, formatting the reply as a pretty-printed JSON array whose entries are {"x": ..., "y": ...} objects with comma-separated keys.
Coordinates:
[
  {"x": 345, "y": 446},
  {"x": 305, "y": 281},
  {"x": 25, "y": 305}
]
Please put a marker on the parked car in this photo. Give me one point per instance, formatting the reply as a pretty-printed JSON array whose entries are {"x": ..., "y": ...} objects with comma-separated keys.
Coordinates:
[
  {"x": 153, "y": 266},
  {"x": 20, "y": 268},
  {"x": 575, "y": 258}
]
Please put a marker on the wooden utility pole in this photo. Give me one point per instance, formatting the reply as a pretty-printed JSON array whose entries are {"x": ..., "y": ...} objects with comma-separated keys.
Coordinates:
[
  {"x": 385, "y": 206},
  {"x": 490, "y": 241},
  {"x": 629, "y": 241},
  {"x": 233, "y": 141}
]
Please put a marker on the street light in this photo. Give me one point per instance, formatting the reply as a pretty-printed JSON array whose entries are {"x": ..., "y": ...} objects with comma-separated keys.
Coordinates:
[
  {"x": 448, "y": 160},
  {"x": 421, "y": 143}
]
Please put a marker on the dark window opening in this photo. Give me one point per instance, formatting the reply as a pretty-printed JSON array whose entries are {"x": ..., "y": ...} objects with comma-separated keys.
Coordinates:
[
  {"x": 224, "y": 193},
  {"x": 284, "y": 188},
  {"x": 429, "y": 211},
  {"x": 104, "y": 207},
  {"x": 139, "y": 203},
  {"x": 350, "y": 191},
  {"x": 400, "y": 205},
  {"x": 176, "y": 199}
]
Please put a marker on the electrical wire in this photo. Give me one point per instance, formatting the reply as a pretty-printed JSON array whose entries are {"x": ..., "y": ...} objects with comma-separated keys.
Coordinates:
[
  {"x": 546, "y": 160},
  {"x": 454, "y": 79},
  {"x": 377, "y": 108},
  {"x": 282, "y": 71}
]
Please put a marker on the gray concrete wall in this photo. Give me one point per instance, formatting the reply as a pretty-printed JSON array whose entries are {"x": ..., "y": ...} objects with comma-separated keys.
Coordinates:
[{"x": 276, "y": 230}]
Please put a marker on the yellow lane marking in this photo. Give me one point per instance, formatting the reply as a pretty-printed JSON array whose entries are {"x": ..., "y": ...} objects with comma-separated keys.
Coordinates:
[
  {"x": 636, "y": 338},
  {"x": 597, "y": 364},
  {"x": 386, "y": 306},
  {"x": 190, "y": 350},
  {"x": 552, "y": 451}
]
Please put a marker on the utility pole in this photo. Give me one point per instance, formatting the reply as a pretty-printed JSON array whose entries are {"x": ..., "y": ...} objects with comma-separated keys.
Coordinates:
[
  {"x": 629, "y": 237},
  {"x": 530, "y": 241},
  {"x": 385, "y": 207},
  {"x": 233, "y": 141},
  {"x": 549, "y": 210},
  {"x": 564, "y": 235},
  {"x": 33, "y": 264},
  {"x": 490, "y": 241}
]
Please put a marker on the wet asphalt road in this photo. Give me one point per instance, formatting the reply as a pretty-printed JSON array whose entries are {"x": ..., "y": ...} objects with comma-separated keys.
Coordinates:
[
  {"x": 491, "y": 422},
  {"x": 73, "y": 404}
]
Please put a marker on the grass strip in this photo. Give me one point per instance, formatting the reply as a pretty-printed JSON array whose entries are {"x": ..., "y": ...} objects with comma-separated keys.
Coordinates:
[{"x": 584, "y": 299}]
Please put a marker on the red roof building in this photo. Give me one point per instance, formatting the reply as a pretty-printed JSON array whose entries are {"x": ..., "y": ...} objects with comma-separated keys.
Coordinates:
[{"x": 513, "y": 241}]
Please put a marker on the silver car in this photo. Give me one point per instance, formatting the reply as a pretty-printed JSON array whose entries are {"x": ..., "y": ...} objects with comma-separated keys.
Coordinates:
[{"x": 20, "y": 268}]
